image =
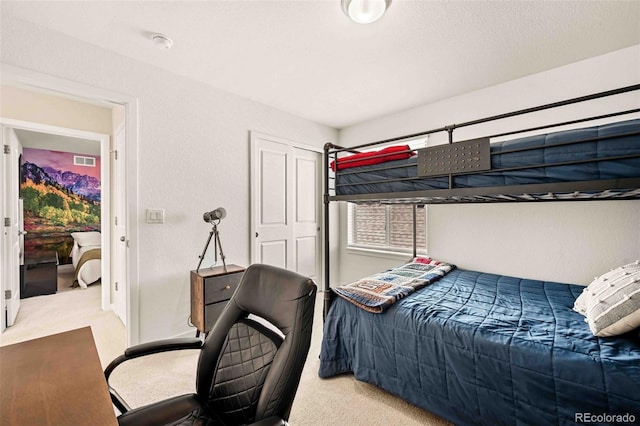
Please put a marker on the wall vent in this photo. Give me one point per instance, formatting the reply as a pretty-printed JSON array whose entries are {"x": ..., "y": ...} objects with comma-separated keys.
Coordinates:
[{"x": 79, "y": 160}]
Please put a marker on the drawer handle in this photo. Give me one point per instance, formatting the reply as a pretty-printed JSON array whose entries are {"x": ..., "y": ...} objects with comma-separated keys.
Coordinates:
[{"x": 227, "y": 287}]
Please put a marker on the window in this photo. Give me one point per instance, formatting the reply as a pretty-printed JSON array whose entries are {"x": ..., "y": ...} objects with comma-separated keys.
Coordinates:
[{"x": 387, "y": 227}]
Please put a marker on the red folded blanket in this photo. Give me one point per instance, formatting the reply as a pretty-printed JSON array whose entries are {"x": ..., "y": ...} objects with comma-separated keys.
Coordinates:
[{"x": 389, "y": 153}]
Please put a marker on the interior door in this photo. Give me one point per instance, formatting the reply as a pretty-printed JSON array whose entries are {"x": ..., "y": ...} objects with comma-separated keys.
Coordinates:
[
  {"x": 272, "y": 208},
  {"x": 12, "y": 225},
  {"x": 306, "y": 216},
  {"x": 285, "y": 205},
  {"x": 120, "y": 229}
]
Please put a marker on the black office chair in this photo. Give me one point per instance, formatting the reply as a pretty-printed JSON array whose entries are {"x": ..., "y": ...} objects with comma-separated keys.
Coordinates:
[{"x": 247, "y": 373}]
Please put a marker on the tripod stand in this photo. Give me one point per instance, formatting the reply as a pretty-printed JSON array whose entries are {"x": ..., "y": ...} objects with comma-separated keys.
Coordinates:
[{"x": 216, "y": 243}]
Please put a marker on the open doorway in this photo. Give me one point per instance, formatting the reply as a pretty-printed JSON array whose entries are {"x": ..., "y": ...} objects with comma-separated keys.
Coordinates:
[
  {"x": 124, "y": 108},
  {"x": 65, "y": 193},
  {"x": 63, "y": 211}
]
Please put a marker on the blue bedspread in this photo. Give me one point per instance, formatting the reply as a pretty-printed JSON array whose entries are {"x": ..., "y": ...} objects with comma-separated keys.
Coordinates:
[
  {"x": 478, "y": 348},
  {"x": 598, "y": 142}
]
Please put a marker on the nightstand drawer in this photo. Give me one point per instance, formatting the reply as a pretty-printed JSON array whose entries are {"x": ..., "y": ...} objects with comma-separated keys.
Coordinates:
[
  {"x": 217, "y": 289},
  {"x": 212, "y": 313}
]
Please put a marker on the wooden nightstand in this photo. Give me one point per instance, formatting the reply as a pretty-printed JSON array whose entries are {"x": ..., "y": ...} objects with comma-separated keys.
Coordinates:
[{"x": 211, "y": 289}]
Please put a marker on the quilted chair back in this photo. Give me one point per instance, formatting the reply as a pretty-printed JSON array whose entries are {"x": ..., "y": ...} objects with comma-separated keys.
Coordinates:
[{"x": 246, "y": 370}]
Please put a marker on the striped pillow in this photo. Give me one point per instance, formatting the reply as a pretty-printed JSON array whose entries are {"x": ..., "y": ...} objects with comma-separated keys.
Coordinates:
[
  {"x": 611, "y": 303},
  {"x": 580, "y": 304}
]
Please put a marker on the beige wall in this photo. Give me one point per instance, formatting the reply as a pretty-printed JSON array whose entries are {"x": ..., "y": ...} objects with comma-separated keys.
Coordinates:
[{"x": 25, "y": 105}]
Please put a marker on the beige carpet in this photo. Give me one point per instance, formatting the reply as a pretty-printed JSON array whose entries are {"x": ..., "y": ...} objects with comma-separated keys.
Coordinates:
[
  {"x": 68, "y": 309},
  {"x": 336, "y": 401}
]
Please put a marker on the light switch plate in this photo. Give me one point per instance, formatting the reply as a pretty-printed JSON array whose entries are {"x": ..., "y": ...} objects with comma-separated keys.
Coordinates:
[{"x": 155, "y": 215}]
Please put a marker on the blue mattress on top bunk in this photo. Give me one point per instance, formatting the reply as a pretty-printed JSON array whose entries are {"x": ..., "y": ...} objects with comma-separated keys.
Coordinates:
[
  {"x": 599, "y": 142},
  {"x": 479, "y": 348}
]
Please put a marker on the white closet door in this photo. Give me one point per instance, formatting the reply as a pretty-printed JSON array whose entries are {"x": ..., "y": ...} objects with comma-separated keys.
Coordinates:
[
  {"x": 306, "y": 217},
  {"x": 285, "y": 205}
]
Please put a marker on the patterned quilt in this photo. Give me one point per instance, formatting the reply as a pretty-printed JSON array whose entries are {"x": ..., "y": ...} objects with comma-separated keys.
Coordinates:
[{"x": 377, "y": 292}]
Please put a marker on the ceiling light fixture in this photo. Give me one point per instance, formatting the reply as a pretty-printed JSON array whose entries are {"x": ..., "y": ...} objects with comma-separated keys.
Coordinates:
[
  {"x": 162, "y": 41},
  {"x": 365, "y": 11}
]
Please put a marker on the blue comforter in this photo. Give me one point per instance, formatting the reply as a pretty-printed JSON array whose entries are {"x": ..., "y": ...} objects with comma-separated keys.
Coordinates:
[
  {"x": 591, "y": 143},
  {"x": 479, "y": 348}
]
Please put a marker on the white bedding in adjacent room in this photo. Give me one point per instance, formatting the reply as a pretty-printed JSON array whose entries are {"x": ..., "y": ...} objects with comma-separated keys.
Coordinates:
[{"x": 89, "y": 271}]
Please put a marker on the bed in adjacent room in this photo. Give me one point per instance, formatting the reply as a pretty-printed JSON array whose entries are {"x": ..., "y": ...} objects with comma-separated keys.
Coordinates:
[{"x": 86, "y": 256}]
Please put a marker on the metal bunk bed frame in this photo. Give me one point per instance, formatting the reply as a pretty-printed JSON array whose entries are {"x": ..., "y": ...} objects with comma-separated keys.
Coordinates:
[{"x": 625, "y": 188}]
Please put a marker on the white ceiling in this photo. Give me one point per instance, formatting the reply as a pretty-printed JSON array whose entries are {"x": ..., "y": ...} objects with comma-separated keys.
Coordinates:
[{"x": 305, "y": 57}]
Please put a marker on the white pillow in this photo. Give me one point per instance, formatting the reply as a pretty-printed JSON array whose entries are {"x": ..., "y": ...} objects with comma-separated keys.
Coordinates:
[
  {"x": 612, "y": 301},
  {"x": 580, "y": 305},
  {"x": 91, "y": 238}
]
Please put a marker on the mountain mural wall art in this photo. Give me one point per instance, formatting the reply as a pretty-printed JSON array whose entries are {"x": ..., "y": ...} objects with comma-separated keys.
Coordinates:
[{"x": 58, "y": 198}]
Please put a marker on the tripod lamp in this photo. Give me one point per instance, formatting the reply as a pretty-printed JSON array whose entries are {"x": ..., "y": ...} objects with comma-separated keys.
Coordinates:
[{"x": 214, "y": 217}]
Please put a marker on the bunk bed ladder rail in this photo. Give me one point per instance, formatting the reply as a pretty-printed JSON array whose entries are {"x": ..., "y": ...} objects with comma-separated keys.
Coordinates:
[{"x": 328, "y": 295}]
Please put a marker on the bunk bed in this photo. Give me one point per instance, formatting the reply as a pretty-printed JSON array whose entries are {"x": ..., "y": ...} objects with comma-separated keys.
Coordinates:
[{"x": 481, "y": 348}]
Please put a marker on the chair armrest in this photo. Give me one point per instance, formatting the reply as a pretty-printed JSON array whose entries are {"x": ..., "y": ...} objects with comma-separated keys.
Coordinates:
[
  {"x": 143, "y": 350},
  {"x": 270, "y": 421},
  {"x": 162, "y": 346},
  {"x": 152, "y": 348}
]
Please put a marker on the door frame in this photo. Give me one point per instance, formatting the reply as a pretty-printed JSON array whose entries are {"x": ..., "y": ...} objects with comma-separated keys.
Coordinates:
[
  {"x": 253, "y": 169},
  {"x": 11, "y": 234},
  {"x": 61, "y": 87},
  {"x": 105, "y": 202},
  {"x": 118, "y": 248}
]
